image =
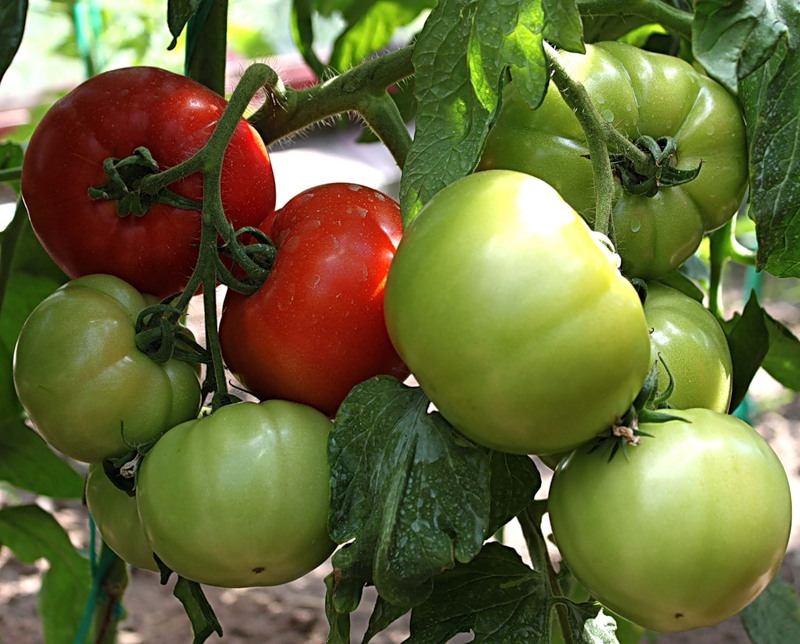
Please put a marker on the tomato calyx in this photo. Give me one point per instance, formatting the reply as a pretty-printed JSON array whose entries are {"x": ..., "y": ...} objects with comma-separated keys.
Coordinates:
[
  {"x": 660, "y": 172},
  {"x": 648, "y": 407},
  {"x": 125, "y": 177}
]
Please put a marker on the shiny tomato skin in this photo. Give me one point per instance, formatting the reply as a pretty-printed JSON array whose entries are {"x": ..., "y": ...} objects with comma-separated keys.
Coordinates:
[
  {"x": 692, "y": 345},
  {"x": 316, "y": 328},
  {"x": 115, "y": 515},
  {"x": 110, "y": 115},
  {"x": 241, "y": 497},
  {"x": 682, "y": 533},
  {"x": 513, "y": 318}
]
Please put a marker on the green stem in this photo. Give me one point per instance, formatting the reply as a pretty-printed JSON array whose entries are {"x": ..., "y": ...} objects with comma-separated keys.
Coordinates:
[
  {"x": 576, "y": 96},
  {"x": 383, "y": 117},
  {"x": 530, "y": 521},
  {"x": 107, "y": 610},
  {"x": 723, "y": 247},
  {"x": 676, "y": 20},
  {"x": 288, "y": 111},
  {"x": 206, "y": 46},
  {"x": 10, "y": 174},
  {"x": 8, "y": 246}
]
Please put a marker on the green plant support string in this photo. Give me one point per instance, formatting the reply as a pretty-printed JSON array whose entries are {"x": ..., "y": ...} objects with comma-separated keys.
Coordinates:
[{"x": 99, "y": 570}]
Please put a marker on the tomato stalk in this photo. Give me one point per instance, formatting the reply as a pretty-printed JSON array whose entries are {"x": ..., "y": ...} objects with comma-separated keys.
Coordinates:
[
  {"x": 597, "y": 134},
  {"x": 723, "y": 246},
  {"x": 214, "y": 224},
  {"x": 530, "y": 521},
  {"x": 361, "y": 89},
  {"x": 206, "y": 45}
]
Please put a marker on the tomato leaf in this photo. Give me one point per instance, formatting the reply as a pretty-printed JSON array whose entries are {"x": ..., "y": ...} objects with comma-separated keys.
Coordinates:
[
  {"x": 201, "y": 615},
  {"x": 496, "y": 596},
  {"x": 370, "y": 25},
  {"x": 774, "y": 617},
  {"x": 460, "y": 58},
  {"x": 413, "y": 496},
  {"x": 28, "y": 463},
  {"x": 31, "y": 534},
  {"x": 588, "y": 623},
  {"x": 451, "y": 122},
  {"x": 782, "y": 361},
  {"x": 733, "y": 39},
  {"x": 748, "y": 340},
  {"x": 12, "y": 26},
  {"x": 771, "y": 101},
  {"x": 507, "y": 34},
  {"x": 178, "y": 14}
]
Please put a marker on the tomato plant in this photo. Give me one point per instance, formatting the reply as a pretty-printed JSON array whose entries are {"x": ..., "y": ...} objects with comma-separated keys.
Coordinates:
[
  {"x": 534, "y": 364},
  {"x": 264, "y": 520},
  {"x": 685, "y": 531},
  {"x": 653, "y": 233},
  {"x": 87, "y": 388},
  {"x": 151, "y": 246},
  {"x": 647, "y": 124},
  {"x": 115, "y": 514},
  {"x": 315, "y": 328},
  {"x": 688, "y": 339}
]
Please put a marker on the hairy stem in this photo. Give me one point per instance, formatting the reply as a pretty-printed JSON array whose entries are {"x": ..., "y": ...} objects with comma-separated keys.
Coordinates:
[{"x": 359, "y": 90}]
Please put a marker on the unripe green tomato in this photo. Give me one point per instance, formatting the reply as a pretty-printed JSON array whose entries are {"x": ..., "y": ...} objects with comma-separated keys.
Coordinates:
[
  {"x": 691, "y": 343},
  {"x": 513, "y": 317},
  {"x": 639, "y": 93},
  {"x": 116, "y": 517},
  {"x": 89, "y": 391},
  {"x": 684, "y": 531},
  {"x": 241, "y": 497}
]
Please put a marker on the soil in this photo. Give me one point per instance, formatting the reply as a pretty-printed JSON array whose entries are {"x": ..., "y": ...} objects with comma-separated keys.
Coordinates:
[{"x": 294, "y": 613}]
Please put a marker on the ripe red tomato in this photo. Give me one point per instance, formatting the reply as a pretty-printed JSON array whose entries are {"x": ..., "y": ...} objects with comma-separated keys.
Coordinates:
[
  {"x": 110, "y": 115},
  {"x": 315, "y": 328}
]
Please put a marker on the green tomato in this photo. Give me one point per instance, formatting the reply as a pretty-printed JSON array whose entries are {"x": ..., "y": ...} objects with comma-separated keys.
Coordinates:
[
  {"x": 88, "y": 390},
  {"x": 115, "y": 515},
  {"x": 653, "y": 235},
  {"x": 513, "y": 317},
  {"x": 241, "y": 497},
  {"x": 692, "y": 345},
  {"x": 684, "y": 532}
]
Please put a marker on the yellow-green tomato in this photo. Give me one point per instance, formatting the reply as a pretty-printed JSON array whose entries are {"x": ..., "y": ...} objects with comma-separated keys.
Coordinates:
[
  {"x": 690, "y": 342},
  {"x": 115, "y": 515},
  {"x": 89, "y": 391},
  {"x": 513, "y": 316},
  {"x": 240, "y": 498},
  {"x": 684, "y": 532}
]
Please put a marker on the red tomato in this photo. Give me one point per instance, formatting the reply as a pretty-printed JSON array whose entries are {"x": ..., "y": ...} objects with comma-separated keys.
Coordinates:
[
  {"x": 315, "y": 328},
  {"x": 110, "y": 115}
]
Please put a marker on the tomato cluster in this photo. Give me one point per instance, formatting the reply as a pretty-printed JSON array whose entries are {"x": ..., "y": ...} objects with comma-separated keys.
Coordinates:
[
  {"x": 520, "y": 322},
  {"x": 526, "y": 332},
  {"x": 237, "y": 496}
]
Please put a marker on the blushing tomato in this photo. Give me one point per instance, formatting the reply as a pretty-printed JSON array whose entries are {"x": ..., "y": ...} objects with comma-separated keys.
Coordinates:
[
  {"x": 89, "y": 391},
  {"x": 315, "y": 328}
]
